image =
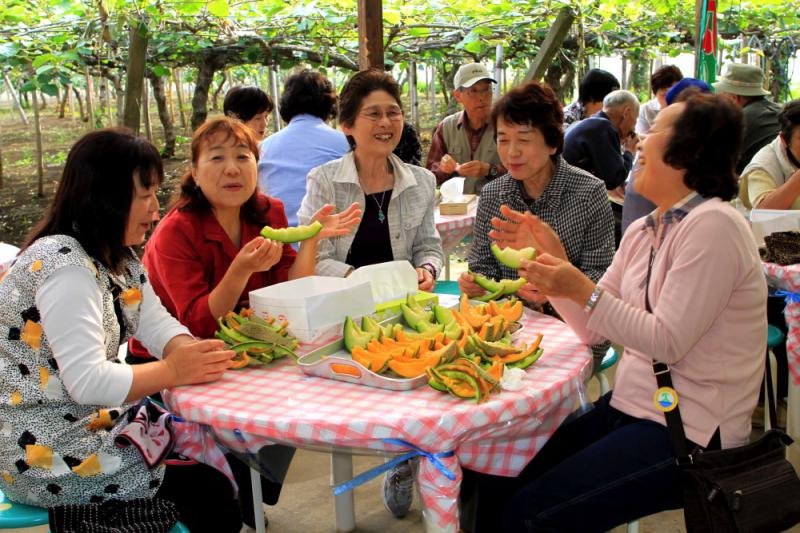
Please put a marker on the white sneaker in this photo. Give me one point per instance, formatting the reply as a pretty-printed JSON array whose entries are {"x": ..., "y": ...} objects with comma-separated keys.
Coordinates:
[{"x": 398, "y": 489}]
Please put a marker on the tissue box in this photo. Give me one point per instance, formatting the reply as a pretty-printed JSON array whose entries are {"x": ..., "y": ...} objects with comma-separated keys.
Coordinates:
[
  {"x": 390, "y": 309},
  {"x": 314, "y": 306},
  {"x": 459, "y": 207}
]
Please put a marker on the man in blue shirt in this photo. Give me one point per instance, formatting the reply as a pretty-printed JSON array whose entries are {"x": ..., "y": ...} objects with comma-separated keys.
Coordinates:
[{"x": 308, "y": 101}]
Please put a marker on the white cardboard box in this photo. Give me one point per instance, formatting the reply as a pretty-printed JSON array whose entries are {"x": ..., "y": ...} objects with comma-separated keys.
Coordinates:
[{"x": 315, "y": 305}]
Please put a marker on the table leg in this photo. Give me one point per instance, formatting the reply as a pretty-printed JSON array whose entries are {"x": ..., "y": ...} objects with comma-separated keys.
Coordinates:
[
  {"x": 258, "y": 505},
  {"x": 793, "y": 423},
  {"x": 344, "y": 504}
]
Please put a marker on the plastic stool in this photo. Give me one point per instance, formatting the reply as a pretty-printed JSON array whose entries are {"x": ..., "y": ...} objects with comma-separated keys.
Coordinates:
[
  {"x": 18, "y": 515},
  {"x": 447, "y": 287},
  {"x": 609, "y": 360},
  {"x": 774, "y": 338}
]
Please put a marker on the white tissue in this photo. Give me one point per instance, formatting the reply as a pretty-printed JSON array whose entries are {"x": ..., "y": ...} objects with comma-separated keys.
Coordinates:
[
  {"x": 513, "y": 379},
  {"x": 452, "y": 190},
  {"x": 389, "y": 281}
]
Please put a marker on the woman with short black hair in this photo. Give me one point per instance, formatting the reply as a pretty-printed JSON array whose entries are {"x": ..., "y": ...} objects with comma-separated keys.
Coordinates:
[
  {"x": 686, "y": 291},
  {"x": 527, "y": 121},
  {"x": 308, "y": 101},
  {"x": 251, "y": 105}
]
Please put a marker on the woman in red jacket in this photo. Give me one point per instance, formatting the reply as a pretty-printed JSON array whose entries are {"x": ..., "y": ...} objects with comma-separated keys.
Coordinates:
[{"x": 206, "y": 255}]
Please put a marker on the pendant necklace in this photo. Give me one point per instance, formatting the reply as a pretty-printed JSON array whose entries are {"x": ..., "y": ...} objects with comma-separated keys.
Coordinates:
[{"x": 381, "y": 216}]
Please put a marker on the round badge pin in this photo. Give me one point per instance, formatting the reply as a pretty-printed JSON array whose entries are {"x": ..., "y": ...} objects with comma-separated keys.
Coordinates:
[{"x": 666, "y": 399}]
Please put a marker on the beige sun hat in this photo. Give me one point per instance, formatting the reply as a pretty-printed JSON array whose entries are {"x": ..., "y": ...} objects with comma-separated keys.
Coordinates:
[
  {"x": 470, "y": 74},
  {"x": 741, "y": 79}
]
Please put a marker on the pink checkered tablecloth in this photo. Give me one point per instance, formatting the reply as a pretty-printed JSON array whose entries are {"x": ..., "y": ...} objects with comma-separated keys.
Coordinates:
[
  {"x": 453, "y": 228},
  {"x": 787, "y": 278},
  {"x": 255, "y": 407}
]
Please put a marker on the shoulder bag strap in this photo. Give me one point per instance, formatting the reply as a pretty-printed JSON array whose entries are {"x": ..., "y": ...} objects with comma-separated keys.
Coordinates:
[{"x": 664, "y": 379}]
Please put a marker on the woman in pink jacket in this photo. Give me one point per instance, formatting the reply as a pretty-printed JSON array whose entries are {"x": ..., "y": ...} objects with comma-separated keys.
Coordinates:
[{"x": 686, "y": 289}]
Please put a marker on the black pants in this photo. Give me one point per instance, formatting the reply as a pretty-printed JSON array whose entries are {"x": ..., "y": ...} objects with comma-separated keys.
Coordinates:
[{"x": 204, "y": 498}]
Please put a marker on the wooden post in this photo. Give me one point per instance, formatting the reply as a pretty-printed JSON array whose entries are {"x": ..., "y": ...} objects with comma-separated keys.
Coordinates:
[
  {"x": 37, "y": 130},
  {"x": 179, "y": 91},
  {"x": 148, "y": 130},
  {"x": 551, "y": 44},
  {"x": 498, "y": 71},
  {"x": 433, "y": 89},
  {"x": 135, "y": 75},
  {"x": 625, "y": 73},
  {"x": 15, "y": 99},
  {"x": 370, "y": 34},
  {"x": 90, "y": 98},
  {"x": 70, "y": 105},
  {"x": 273, "y": 88},
  {"x": 412, "y": 93}
]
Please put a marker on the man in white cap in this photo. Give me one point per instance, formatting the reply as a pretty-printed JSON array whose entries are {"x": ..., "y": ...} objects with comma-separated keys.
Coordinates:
[
  {"x": 744, "y": 84},
  {"x": 463, "y": 144}
]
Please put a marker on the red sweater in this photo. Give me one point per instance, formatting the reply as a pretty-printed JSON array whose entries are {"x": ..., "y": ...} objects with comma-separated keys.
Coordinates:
[{"x": 189, "y": 253}]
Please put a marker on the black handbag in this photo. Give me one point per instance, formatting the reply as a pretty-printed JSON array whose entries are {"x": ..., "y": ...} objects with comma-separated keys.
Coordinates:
[{"x": 749, "y": 489}]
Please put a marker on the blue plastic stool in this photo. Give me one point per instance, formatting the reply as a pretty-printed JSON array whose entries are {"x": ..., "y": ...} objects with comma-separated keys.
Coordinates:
[
  {"x": 18, "y": 515},
  {"x": 774, "y": 336},
  {"x": 447, "y": 287}
]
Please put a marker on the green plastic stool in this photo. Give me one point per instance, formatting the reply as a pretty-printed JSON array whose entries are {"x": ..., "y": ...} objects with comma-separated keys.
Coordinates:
[
  {"x": 18, "y": 515},
  {"x": 609, "y": 360},
  {"x": 447, "y": 287},
  {"x": 774, "y": 336}
]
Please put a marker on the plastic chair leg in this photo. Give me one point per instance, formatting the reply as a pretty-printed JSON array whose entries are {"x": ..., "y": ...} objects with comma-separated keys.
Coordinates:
[
  {"x": 258, "y": 505},
  {"x": 774, "y": 378},
  {"x": 604, "y": 386}
]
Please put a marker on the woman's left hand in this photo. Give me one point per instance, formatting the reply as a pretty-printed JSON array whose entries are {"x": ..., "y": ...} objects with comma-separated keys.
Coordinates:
[
  {"x": 339, "y": 224},
  {"x": 425, "y": 279},
  {"x": 521, "y": 230},
  {"x": 530, "y": 293},
  {"x": 555, "y": 277}
]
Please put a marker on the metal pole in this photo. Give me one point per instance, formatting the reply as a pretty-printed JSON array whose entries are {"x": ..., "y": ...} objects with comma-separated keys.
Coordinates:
[{"x": 498, "y": 70}]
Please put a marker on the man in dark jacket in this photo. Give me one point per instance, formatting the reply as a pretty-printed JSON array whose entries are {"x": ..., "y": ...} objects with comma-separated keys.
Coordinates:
[
  {"x": 600, "y": 144},
  {"x": 744, "y": 84}
]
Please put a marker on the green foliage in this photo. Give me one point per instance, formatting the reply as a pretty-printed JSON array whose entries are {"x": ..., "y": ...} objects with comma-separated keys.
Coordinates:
[{"x": 48, "y": 42}]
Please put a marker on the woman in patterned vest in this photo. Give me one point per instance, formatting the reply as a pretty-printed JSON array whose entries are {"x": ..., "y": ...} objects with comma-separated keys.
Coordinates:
[{"x": 75, "y": 294}]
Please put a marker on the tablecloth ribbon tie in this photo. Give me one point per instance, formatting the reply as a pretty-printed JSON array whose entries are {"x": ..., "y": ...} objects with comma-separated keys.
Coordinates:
[
  {"x": 378, "y": 470},
  {"x": 789, "y": 297}
]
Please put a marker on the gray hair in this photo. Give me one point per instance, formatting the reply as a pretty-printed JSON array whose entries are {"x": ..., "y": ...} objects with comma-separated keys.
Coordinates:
[{"x": 620, "y": 98}]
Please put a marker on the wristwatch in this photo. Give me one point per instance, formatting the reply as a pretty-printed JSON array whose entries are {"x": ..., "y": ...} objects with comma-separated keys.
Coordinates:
[
  {"x": 493, "y": 171},
  {"x": 430, "y": 268}
]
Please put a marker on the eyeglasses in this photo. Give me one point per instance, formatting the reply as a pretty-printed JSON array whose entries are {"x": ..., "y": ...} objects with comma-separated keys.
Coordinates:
[{"x": 375, "y": 115}]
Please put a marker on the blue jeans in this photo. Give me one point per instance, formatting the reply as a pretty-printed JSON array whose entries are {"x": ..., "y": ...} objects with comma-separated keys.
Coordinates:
[{"x": 597, "y": 471}]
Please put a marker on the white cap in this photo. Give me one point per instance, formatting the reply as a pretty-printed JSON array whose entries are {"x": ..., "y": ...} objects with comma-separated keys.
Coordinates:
[{"x": 470, "y": 74}]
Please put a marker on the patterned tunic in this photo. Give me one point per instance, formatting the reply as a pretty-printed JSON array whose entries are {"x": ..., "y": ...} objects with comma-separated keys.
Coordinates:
[{"x": 54, "y": 451}]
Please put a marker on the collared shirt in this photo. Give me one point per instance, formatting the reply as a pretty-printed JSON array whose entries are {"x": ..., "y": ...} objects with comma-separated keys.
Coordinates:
[
  {"x": 574, "y": 204},
  {"x": 189, "y": 253},
  {"x": 409, "y": 217},
  {"x": 438, "y": 147},
  {"x": 657, "y": 226},
  {"x": 289, "y": 155}
]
